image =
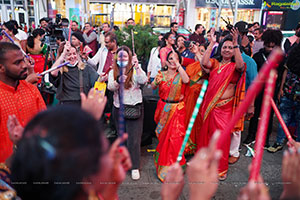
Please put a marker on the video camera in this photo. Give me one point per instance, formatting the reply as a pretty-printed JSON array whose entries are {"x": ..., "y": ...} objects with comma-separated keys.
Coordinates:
[
  {"x": 53, "y": 30},
  {"x": 228, "y": 25}
]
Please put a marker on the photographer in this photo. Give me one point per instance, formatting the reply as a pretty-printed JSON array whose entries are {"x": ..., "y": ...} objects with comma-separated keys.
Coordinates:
[
  {"x": 243, "y": 39},
  {"x": 44, "y": 23}
]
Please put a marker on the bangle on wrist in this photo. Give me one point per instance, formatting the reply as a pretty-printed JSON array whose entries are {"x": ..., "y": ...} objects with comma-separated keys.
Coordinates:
[
  {"x": 236, "y": 46},
  {"x": 117, "y": 80}
]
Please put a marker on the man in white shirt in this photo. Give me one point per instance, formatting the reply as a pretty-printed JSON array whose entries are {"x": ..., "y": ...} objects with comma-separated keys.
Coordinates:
[
  {"x": 105, "y": 55},
  {"x": 258, "y": 43},
  {"x": 105, "y": 29},
  {"x": 154, "y": 64}
]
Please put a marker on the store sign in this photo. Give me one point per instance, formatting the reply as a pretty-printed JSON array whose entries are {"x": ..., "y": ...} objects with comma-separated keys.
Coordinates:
[
  {"x": 139, "y": 1},
  {"x": 282, "y": 4},
  {"x": 246, "y": 4}
]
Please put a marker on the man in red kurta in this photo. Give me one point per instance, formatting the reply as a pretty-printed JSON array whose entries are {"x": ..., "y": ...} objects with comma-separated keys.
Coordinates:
[{"x": 17, "y": 97}]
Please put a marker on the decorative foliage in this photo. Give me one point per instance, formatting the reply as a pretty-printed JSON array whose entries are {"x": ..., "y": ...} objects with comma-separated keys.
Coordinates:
[{"x": 144, "y": 40}]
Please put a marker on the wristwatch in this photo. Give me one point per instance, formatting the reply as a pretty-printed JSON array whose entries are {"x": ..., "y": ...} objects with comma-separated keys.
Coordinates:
[{"x": 236, "y": 46}]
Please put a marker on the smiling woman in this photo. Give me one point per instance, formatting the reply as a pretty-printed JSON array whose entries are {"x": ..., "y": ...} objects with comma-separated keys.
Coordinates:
[
  {"x": 74, "y": 78},
  {"x": 225, "y": 90}
]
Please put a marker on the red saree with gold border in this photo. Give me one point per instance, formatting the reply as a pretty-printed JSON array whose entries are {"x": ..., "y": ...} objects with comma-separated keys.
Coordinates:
[
  {"x": 170, "y": 129},
  {"x": 216, "y": 112}
]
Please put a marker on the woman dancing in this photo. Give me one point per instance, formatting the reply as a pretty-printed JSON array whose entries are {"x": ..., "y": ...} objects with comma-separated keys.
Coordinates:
[{"x": 170, "y": 113}]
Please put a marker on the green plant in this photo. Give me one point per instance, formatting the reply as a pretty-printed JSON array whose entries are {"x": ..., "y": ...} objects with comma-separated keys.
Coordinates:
[{"x": 144, "y": 40}]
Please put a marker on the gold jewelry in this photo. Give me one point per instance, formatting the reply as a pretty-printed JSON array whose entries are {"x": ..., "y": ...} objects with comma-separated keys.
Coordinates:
[{"x": 220, "y": 69}]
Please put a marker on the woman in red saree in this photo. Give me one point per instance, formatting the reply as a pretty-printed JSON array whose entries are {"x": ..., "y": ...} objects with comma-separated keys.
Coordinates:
[
  {"x": 169, "y": 114},
  {"x": 197, "y": 76},
  {"x": 225, "y": 90}
]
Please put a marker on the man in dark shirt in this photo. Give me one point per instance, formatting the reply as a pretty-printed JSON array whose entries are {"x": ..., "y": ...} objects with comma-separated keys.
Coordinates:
[
  {"x": 198, "y": 35},
  {"x": 272, "y": 39},
  {"x": 290, "y": 100}
]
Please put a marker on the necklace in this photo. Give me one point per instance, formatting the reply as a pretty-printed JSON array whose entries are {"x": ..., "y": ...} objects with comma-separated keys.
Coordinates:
[{"x": 220, "y": 69}]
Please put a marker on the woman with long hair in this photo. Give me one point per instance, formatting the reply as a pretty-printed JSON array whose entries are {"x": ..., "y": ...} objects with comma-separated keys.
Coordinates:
[
  {"x": 169, "y": 42},
  {"x": 170, "y": 113},
  {"x": 74, "y": 78},
  {"x": 225, "y": 90},
  {"x": 12, "y": 31},
  {"x": 133, "y": 77}
]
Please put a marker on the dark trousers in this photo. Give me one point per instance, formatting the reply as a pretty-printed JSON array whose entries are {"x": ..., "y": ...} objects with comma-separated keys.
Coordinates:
[
  {"x": 255, "y": 119},
  {"x": 134, "y": 128}
]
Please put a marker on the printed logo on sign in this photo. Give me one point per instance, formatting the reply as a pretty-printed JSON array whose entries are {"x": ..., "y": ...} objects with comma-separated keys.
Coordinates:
[{"x": 241, "y": 2}]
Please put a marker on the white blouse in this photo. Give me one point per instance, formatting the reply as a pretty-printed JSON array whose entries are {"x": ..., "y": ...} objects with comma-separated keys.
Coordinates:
[{"x": 133, "y": 95}]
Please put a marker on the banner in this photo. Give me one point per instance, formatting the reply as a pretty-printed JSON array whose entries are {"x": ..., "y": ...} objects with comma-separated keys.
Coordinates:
[
  {"x": 243, "y": 4},
  {"x": 282, "y": 4}
]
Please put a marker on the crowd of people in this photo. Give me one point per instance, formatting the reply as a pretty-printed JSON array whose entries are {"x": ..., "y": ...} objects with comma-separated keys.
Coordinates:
[{"x": 42, "y": 140}]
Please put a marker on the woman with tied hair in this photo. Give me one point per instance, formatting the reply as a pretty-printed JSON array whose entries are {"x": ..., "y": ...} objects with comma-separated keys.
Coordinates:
[
  {"x": 12, "y": 31},
  {"x": 37, "y": 49},
  {"x": 64, "y": 155},
  {"x": 225, "y": 91},
  {"x": 133, "y": 77},
  {"x": 170, "y": 114}
]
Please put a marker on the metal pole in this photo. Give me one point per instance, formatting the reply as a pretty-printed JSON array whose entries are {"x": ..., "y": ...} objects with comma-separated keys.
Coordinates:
[
  {"x": 219, "y": 14},
  {"x": 235, "y": 11}
]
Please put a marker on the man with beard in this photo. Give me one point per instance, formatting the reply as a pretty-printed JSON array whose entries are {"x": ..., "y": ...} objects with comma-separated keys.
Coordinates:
[{"x": 17, "y": 97}]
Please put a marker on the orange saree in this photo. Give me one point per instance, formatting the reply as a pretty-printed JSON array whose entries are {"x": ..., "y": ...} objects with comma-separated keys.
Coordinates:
[
  {"x": 169, "y": 117},
  {"x": 195, "y": 73},
  {"x": 216, "y": 112}
]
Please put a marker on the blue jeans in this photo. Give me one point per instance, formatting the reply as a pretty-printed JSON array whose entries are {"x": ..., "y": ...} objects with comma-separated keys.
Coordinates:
[{"x": 289, "y": 109}]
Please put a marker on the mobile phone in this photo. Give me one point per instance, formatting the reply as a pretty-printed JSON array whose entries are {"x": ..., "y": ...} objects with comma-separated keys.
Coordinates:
[{"x": 187, "y": 44}]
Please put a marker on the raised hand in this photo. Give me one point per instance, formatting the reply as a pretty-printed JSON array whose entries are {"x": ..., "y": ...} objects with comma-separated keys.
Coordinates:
[
  {"x": 213, "y": 36},
  {"x": 235, "y": 34},
  {"x": 173, "y": 184},
  {"x": 135, "y": 61},
  {"x": 291, "y": 173},
  {"x": 94, "y": 103},
  {"x": 254, "y": 191},
  {"x": 202, "y": 171},
  {"x": 14, "y": 128}
]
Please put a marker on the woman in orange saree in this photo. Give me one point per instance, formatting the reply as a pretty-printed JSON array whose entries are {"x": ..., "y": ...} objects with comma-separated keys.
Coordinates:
[
  {"x": 197, "y": 76},
  {"x": 225, "y": 91},
  {"x": 169, "y": 114}
]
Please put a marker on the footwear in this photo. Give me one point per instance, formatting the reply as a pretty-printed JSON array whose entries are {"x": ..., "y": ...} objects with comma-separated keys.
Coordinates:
[
  {"x": 232, "y": 159},
  {"x": 222, "y": 177},
  {"x": 267, "y": 146},
  {"x": 135, "y": 174},
  {"x": 276, "y": 147}
]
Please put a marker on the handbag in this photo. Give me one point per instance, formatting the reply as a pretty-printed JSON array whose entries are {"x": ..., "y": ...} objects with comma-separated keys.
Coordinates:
[{"x": 132, "y": 112}]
